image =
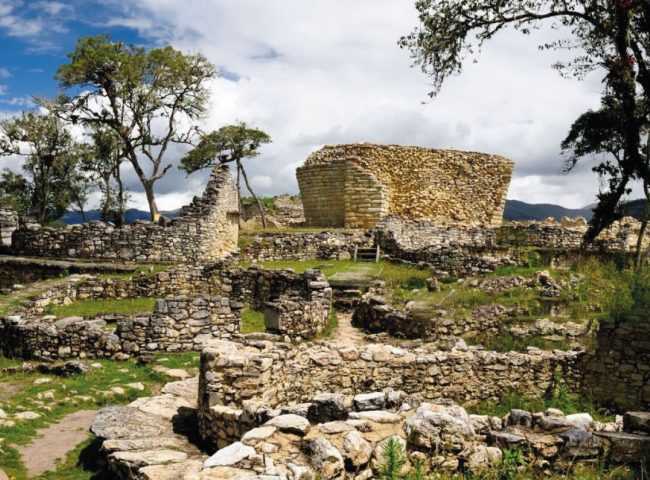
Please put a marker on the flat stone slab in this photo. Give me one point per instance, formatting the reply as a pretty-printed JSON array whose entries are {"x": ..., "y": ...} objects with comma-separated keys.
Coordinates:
[
  {"x": 637, "y": 422},
  {"x": 626, "y": 447},
  {"x": 55, "y": 441}
]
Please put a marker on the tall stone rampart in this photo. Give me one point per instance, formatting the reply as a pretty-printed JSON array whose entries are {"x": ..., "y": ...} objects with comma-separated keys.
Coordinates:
[
  {"x": 355, "y": 186},
  {"x": 206, "y": 231}
]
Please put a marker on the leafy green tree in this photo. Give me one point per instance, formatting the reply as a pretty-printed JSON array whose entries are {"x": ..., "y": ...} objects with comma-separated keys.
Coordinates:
[
  {"x": 232, "y": 143},
  {"x": 52, "y": 158},
  {"x": 150, "y": 99},
  {"x": 15, "y": 190},
  {"x": 596, "y": 135},
  {"x": 610, "y": 35},
  {"x": 103, "y": 164}
]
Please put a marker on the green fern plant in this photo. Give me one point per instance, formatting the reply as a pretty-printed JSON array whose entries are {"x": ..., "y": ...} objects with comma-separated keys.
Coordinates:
[{"x": 394, "y": 460}]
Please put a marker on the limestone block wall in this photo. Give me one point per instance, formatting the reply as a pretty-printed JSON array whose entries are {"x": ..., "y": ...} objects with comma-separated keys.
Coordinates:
[
  {"x": 357, "y": 185},
  {"x": 278, "y": 246},
  {"x": 207, "y": 230},
  {"x": 295, "y": 318},
  {"x": 8, "y": 223},
  {"x": 235, "y": 376},
  {"x": 617, "y": 372},
  {"x": 252, "y": 287},
  {"x": 177, "y": 324}
]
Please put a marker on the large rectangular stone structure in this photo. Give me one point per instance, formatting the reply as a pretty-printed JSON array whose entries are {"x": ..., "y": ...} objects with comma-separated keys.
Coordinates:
[{"x": 355, "y": 186}]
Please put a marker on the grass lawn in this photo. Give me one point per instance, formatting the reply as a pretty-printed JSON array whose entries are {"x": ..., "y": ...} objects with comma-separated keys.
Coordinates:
[
  {"x": 252, "y": 321},
  {"x": 91, "y": 307},
  {"x": 567, "y": 402},
  {"x": 80, "y": 392}
]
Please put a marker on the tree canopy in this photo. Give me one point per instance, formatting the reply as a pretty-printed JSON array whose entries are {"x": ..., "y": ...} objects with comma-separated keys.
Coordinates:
[
  {"x": 51, "y": 161},
  {"x": 150, "y": 99},
  {"x": 612, "y": 36},
  {"x": 232, "y": 143}
]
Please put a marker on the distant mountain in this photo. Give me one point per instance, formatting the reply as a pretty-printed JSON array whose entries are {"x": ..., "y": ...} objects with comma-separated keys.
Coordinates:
[
  {"x": 516, "y": 210},
  {"x": 131, "y": 215}
]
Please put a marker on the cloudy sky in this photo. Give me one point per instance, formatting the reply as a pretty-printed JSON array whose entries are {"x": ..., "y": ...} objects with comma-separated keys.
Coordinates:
[{"x": 321, "y": 72}]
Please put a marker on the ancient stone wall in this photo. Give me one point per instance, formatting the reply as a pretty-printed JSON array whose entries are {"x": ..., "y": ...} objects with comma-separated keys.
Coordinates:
[
  {"x": 295, "y": 318},
  {"x": 355, "y": 186},
  {"x": 272, "y": 246},
  {"x": 8, "y": 224},
  {"x": 253, "y": 287},
  {"x": 617, "y": 372},
  {"x": 177, "y": 324},
  {"x": 234, "y": 377},
  {"x": 206, "y": 231}
]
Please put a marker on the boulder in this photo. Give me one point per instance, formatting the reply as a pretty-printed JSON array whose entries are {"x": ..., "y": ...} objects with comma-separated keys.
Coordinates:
[
  {"x": 519, "y": 417},
  {"x": 290, "y": 423},
  {"x": 357, "y": 451},
  {"x": 369, "y": 401},
  {"x": 325, "y": 458},
  {"x": 438, "y": 431},
  {"x": 480, "y": 458},
  {"x": 230, "y": 456}
]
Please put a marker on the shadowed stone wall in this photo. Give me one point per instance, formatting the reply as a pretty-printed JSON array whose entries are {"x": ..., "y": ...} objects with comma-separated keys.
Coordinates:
[{"x": 355, "y": 186}]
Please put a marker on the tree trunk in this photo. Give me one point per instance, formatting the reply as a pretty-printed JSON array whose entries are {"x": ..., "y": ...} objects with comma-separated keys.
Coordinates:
[
  {"x": 106, "y": 204},
  {"x": 120, "y": 199},
  {"x": 639, "y": 259},
  {"x": 259, "y": 204},
  {"x": 239, "y": 193},
  {"x": 151, "y": 200}
]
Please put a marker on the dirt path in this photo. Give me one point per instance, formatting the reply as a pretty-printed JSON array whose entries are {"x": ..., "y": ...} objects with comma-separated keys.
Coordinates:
[
  {"x": 345, "y": 332},
  {"x": 55, "y": 441}
]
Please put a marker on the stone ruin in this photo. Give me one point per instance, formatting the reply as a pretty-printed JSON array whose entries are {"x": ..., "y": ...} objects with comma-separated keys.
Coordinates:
[
  {"x": 289, "y": 405},
  {"x": 207, "y": 230},
  {"x": 355, "y": 186}
]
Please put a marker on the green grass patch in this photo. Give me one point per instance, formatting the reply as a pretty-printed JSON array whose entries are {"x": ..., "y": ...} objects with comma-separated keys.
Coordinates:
[
  {"x": 252, "y": 321},
  {"x": 559, "y": 398},
  {"x": 505, "y": 342},
  {"x": 330, "y": 327},
  {"x": 146, "y": 269},
  {"x": 92, "y": 307}
]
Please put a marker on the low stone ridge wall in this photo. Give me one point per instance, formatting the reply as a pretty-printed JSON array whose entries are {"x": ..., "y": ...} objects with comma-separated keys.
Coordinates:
[
  {"x": 177, "y": 324},
  {"x": 621, "y": 236},
  {"x": 206, "y": 231},
  {"x": 8, "y": 224},
  {"x": 374, "y": 314},
  {"x": 617, "y": 373},
  {"x": 234, "y": 376},
  {"x": 295, "y": 318},
  {"x": 253, "y": 286},
  {"x": 271, "y": 246},
  {"x": 394, "y": 233}
]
